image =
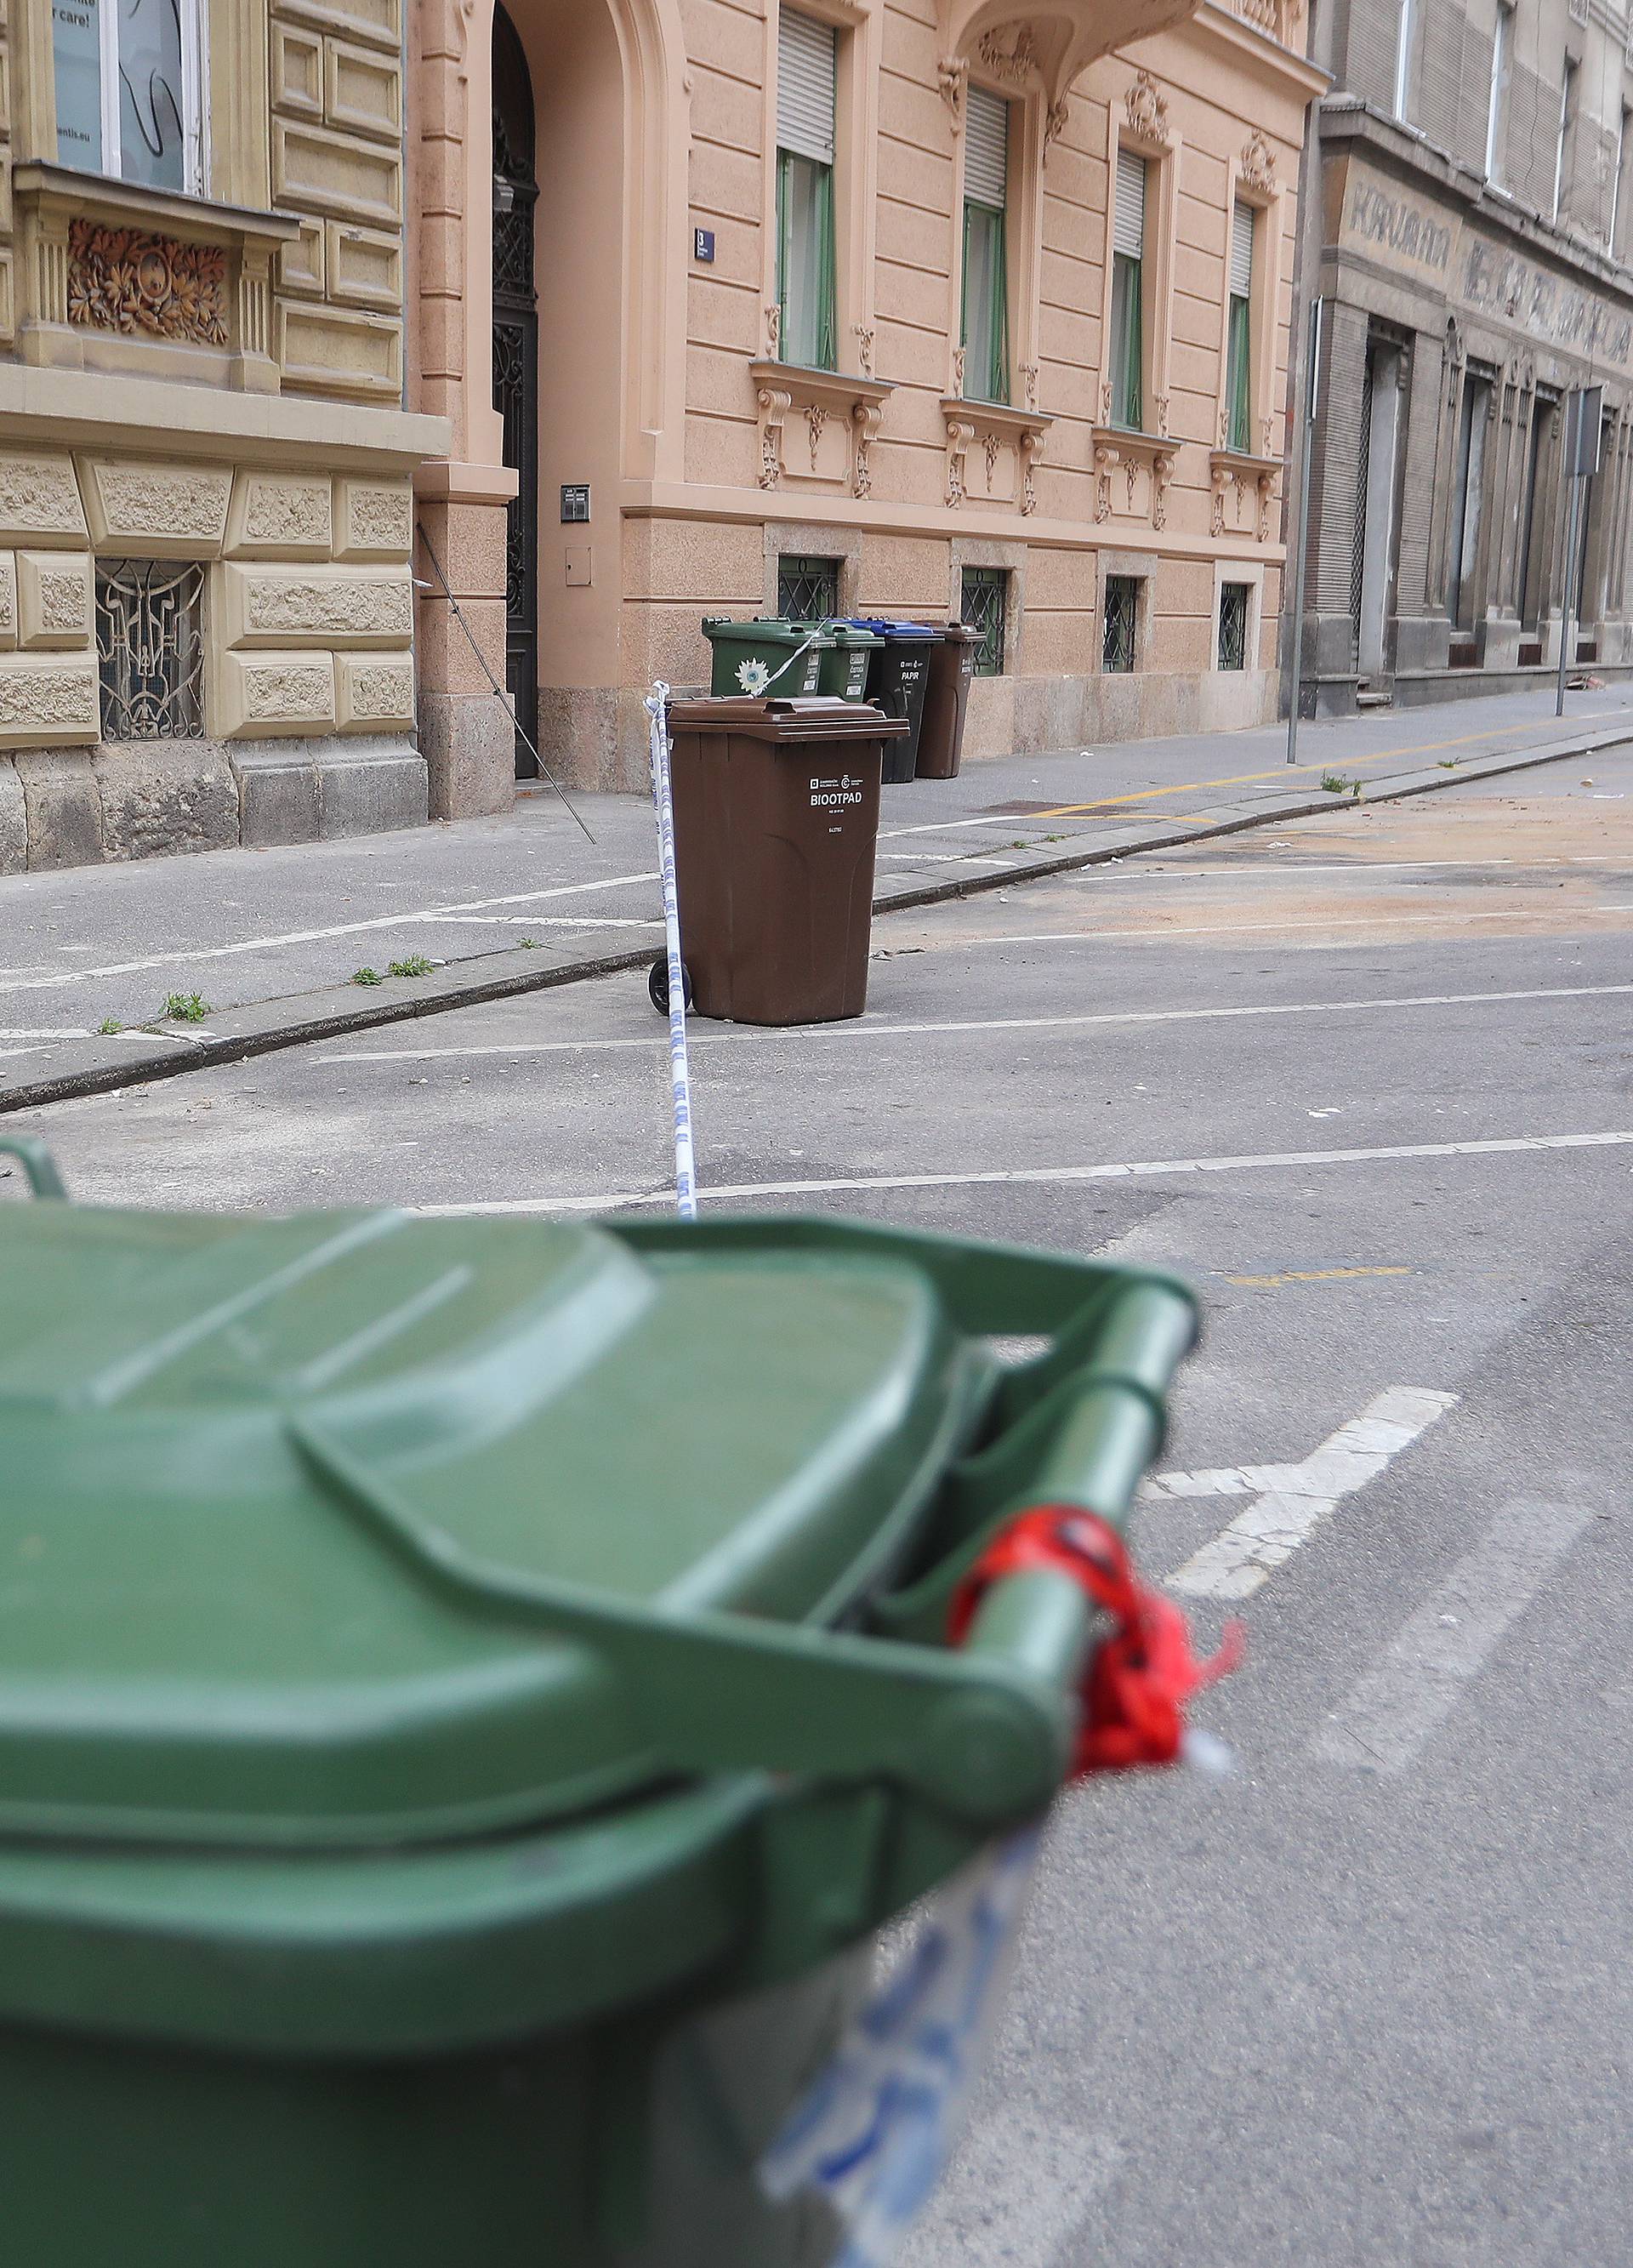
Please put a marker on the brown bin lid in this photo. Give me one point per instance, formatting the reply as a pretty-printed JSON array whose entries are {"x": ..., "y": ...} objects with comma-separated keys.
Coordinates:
[{"x": 818, "y": 717}]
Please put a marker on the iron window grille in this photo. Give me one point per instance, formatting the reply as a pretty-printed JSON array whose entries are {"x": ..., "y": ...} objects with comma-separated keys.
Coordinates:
[
  {"x": 985, "y": 608},
  {"x": 807, "y": 590},
  {"x": 1233, "y": 599},
  {"x": 150, "y": 637},
  {"x": 1122, "y": 614}
]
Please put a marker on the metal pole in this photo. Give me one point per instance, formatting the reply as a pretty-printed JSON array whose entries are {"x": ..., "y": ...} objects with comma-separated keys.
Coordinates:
[
  {"x": 1571, "y": 569},
  {"x": 1317, "y": 308}
]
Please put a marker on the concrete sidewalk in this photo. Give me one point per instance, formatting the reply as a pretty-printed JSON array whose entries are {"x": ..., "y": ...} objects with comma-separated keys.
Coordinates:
[{"x": 271, "y": 940}]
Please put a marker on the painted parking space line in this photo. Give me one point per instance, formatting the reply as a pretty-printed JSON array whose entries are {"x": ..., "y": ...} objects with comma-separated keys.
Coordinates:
[
  {"x": 405, "y": 917},
  {"x": 1156, "y": 934},
  {"x": 1312, "y": 1276},
  {"x": 863, "y": 1029},
  {"x": 1295, "y": 1499},
  {"x": 1048, "y": 1176},
  {"x": 1399, "y": 1704}
]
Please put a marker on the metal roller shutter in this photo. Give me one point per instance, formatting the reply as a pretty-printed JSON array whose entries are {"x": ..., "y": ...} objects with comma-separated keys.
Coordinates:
[
  {"x": 986, "y": 149},
  {"x": 805, "y": 87},
  {"x": 1130, "y": 238},
  {"x": 1242, "y": 251}
]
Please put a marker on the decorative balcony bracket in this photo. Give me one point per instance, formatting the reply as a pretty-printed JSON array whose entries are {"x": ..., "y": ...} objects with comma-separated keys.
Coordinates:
[
  {"x": 833, "y": 419},
  {"x": 1249, "y": 484},
  {"x": 1010, "y": 443},
  {"x": 1120, "y": 457},
  {"x": 1044, "y": 44}
]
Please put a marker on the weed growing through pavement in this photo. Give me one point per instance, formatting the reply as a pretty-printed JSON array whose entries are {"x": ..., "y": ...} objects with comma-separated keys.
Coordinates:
[
  {"x": 1446, "y": 764},
  {"x": 367, "y": 976},
  {"x": 186, "y": 1007},
  {"x": 528, "y": 944},
  {"x": 1335, "y": 784},
  {"x": 108, "y": 1026},
  {"x": 415, "y": 965}
]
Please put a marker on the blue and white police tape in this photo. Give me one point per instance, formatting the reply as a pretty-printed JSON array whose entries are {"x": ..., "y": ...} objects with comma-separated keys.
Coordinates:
[
  {"x": 679, "y": 1070},
  {"x": 873, "y": 2133}
]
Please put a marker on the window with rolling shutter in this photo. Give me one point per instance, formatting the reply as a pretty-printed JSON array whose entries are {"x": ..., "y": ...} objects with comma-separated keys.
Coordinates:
[
  {"x": 807, "y": 79},
  {"x": 1239, "y": 332},
  {"x": 986, "y": 256},
  {"x": 1126, "y": 360},
  {"x": 806, "y": 82}
]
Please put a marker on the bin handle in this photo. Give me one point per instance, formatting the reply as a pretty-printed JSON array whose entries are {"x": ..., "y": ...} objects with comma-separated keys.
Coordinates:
[{"x": 38, "y": 1164}]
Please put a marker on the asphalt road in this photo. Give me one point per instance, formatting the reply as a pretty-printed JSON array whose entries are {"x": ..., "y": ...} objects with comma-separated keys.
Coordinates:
[{"x": 1364, "y": 1081}]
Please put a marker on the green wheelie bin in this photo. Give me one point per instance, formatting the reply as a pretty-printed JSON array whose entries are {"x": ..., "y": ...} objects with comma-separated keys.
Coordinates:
[
  {"x": 766, "y": 656},
  {"x": 472, "y": 1692}
]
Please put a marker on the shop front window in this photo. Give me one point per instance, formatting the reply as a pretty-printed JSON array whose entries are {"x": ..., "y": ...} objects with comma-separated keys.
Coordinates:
[{"x": 128, "y": 76}]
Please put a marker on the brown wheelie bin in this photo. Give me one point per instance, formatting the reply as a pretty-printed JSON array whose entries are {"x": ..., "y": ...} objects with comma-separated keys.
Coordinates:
[
  {"x": 947, "y": 701},
  {"x": 776, "y": 824}
]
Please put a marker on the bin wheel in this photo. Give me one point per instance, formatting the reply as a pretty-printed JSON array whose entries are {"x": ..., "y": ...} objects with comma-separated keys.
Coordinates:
[{"x": 658, "y": 984}]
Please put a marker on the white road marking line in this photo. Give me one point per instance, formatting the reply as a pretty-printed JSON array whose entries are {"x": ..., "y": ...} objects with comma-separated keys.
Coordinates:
[
  {"x": 1022, "y": 2183},
  {"x": 1391, "y": 1712},
  {"x": 1015, "y": 1176},
  {"x": 549, "y": 921},
  {"x": 403, "y": 917},
  {"x": 942, "y": 859},
  {"x": 863, "y": 1028},
  {"x": 48, "y": 1032},
  {"x": 1265, "y": 1536},
  {"x": 1248, "y": 929}
]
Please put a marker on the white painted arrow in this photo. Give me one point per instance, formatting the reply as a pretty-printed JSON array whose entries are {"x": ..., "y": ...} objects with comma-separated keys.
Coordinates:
[{"x": 1290, "y": 1501}]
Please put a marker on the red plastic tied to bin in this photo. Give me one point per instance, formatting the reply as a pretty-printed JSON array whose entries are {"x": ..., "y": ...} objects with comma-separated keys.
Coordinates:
[{"x": 1138, "y": 1680}]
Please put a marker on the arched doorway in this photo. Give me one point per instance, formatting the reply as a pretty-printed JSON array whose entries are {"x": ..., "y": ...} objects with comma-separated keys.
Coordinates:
[{"x": 516, "y": 368}]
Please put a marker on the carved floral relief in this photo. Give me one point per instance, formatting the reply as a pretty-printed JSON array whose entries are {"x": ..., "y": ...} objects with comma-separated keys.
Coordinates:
[{"x": 125, "y": 279}]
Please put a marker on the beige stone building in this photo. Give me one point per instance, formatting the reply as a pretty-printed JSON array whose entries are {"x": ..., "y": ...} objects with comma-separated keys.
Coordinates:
[
  {"x": 643, "y": 310},
  {"x": 1472, "y": 240}
]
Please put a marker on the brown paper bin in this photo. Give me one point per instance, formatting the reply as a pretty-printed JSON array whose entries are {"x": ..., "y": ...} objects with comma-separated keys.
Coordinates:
[
  {"x": 946, "y": 702},
  {"x": 776, "y": 824}
]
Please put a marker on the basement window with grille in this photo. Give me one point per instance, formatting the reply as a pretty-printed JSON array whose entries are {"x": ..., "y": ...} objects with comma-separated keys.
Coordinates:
[
  {"x": 807, "y": 590},
  {"x": 1122, "y": 619},
  {"x": 985, "y": 608},
  {"x": 1233, "y": 603},
  {"x": 149, "y": 639}
]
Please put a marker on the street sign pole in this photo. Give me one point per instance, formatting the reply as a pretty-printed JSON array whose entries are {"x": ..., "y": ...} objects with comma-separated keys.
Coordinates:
[
  {"x": 1584, "y": 415},
  {"x": 1318, "y": 308},
  {"x": 1565, "y": 596}
]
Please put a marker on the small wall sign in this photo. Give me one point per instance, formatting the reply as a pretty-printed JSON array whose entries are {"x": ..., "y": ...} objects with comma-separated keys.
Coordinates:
[
  {"x": 575, "y": 503},
  {"x": 703, "y": 246}
]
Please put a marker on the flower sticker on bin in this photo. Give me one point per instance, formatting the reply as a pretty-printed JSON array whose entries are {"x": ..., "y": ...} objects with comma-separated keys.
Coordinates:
[{"x": 752, "y": 676}]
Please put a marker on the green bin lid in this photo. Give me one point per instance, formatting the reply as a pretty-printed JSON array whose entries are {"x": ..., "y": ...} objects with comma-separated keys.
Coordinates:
[
  {"x": 769, "y": 629},
  {"x": 280, "y": 1493}
]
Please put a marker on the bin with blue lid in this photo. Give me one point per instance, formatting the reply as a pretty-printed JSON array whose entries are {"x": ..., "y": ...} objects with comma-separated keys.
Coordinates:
[{"x": 898, "y": 677}]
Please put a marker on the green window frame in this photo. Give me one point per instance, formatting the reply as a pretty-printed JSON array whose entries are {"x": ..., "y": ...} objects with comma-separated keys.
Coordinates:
[
  {"x": 807, "y": 588},
  {"x": 985, "y": 282},
  {"x": 806, "y": 266},
  {"x": 1235, "y": 598},
  {"x": 1120, "y": 638},
  {"x": 1239, "y": 332},
  {"x": 984, "y": 606},
  {"x": 1126, "y": 357}
]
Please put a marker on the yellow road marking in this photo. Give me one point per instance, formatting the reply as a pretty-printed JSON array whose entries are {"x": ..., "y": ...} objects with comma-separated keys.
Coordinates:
[
  {"x": 1312, "y": 1275},
  {"x": 1246, "y": 779}
]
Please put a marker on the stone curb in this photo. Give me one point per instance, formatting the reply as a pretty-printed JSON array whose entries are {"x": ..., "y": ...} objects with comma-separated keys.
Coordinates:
[{"x": 102, "y": 1066}]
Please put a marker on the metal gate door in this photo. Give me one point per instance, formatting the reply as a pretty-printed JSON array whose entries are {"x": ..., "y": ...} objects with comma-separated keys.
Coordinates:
[{"x": 516, "y": 369}]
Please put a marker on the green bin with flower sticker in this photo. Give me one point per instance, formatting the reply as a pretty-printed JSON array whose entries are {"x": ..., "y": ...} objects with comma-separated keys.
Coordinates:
[{"x": 782, "y": 659}]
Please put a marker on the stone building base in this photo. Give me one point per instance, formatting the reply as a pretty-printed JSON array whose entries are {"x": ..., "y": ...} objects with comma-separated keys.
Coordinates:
[{"x": 84, "y": 807}]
